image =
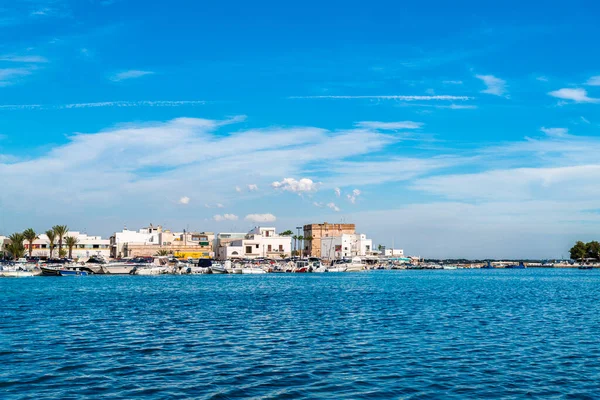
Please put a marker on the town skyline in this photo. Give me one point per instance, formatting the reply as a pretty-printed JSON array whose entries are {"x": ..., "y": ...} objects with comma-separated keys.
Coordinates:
[{"x": 445, "y": 133}]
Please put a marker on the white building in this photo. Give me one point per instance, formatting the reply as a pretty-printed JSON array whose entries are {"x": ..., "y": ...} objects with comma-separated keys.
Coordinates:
[
  {"x": 345, "y": 246},
  {"x": 223, "y": 241},
  {"x": 144, "y": 236},
  {"x": 394, "y": 253},
  {"x": 259, "y": 242},
  {"x": 86, "y": 246}
]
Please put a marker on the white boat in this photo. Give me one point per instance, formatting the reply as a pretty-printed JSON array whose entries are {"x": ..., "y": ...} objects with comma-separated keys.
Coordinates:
[
  {"x": 150, "y": 270},
  {"x": 450, "y": 267},
  {"x": 16, "y": 273},
  {"x": 119, "y": 268},
  {"x": 218, "y": 268},
  {"x": 355, "y": 265},
  {"x": 253, "y": 270},
  {"x": 337, "y": 268}
]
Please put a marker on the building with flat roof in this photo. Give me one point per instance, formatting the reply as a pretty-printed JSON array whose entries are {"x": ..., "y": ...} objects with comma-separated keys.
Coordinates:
[
  {"x": 346, "y": 246},
  {"x": 318, "y": 231},
  {"x": 259, "y": 242}
]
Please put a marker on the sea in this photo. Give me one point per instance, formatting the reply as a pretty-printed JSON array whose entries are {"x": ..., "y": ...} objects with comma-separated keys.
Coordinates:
[{"x": 451, "y": 334}]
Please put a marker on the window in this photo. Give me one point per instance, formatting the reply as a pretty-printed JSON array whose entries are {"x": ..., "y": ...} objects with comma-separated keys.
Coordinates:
[
  {"x": 280, "y": 247},
  {"x": 248, "y": 249},
  {"x": 96, "y": 246},
  {"x": 269, "y": 248},
  {"x": 257, "y": 246}
]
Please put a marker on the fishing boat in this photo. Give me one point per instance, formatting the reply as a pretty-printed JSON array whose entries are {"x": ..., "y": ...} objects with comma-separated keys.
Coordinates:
[
  {"x": 449, "y": 267},
  {"x": 301, "y": 267},
  {"x": 14, "y": 272}
]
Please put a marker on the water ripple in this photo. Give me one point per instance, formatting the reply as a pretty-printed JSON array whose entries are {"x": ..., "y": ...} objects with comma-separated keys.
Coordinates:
[{"x": 389, "y": 334}]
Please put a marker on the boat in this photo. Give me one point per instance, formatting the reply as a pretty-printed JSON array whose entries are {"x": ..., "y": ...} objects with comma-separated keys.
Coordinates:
[
  {"x": 488, "y": 265},
  {"x": 585, "y": 267},
  {"x": 218, "y": 268},
  {"x": 449, "y": 267},
  {"x": 253, "y": 270},
  {"x": 15, "y": 272},
  {"x": 51, "y": 270},
  {"x": 355, "y": 265},
  {"x": 515, "y": 266},
  {"x": 301, "y": 267}
]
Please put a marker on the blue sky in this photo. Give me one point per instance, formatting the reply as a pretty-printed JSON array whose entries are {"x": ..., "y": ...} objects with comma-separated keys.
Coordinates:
[{"x": 448, "y": 129}]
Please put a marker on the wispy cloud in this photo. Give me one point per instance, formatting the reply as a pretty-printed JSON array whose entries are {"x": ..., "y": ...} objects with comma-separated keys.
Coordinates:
[
  {"x": 333, "y": 206},
  {"x": 392, "y": 126},
  {"x": 131, "y": 74},
  {"x": 184, "y": 200},
  {"x": 252, "y": 187},
  {"x": 142, "y": 103},
  {"x": 577, "y": 95},
  {"x": 353, "y": 196},
  {"x": 593, "y": 81},
  {"x": 10, "y": 76},
  {"x": 24, "y": 59},
  {"x": 387, "y": 97},
  {"x": 542, "y": 79},
  {"x": 452, "y": 82},
  {"x": 495, "y": 86},
  {"x": 555, "y": 132}
]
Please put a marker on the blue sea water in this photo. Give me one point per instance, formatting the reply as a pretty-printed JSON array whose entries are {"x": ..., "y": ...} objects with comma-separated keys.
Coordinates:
[{"x": 381, "y": 334}]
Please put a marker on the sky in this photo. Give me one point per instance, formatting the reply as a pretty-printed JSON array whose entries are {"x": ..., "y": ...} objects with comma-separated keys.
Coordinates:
[{"x": 449, "y": 129}]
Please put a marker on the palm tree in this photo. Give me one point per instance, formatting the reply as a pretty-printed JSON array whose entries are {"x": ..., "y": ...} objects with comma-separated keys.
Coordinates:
[
  {"x": 295, "y": 237},
  {"x": 286, "y": 233},
  {"x": 71, "y": 241},
  {"x": 51, "y": 240},
  {"x": 301, "y": 247},
  {"x": 60, "y": 231},
  {"x": 162, "y": 253},
  {"x": 16, "y": 248},
  {"x": 30, "y": 236}
]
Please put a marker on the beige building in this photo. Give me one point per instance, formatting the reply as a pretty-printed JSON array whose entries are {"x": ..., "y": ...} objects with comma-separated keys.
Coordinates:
[
  {"x": 151, "y": 240},
  {"x": 317, "y": 231}
]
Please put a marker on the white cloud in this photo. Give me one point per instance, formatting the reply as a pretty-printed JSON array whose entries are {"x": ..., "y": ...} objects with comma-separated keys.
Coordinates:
[
  {"x": 10, "y": 76},
  {"x": 352, "y": 197},
  {"x": 184, "y": 200},
  {"x": 131, "y": 74},
  {"x": 338, "y": 191},
  {"x": 225, "y": 217},
  {"x": 390, "y": 97},
  {"x": 124, "y": 104},
  {"x": 389, "y": 125},
  {"x": 252, "y": 187},
  {"x": 542, "y": 79},
  {"x": 238, "y": 189},
  {"x": 495, "y": 86},
  {"x": 23, "y": 59},
  {"x": 334, "y": 207},
  {"x": 577, "y": 95},
  {"x": 304, "y": 185},
  {"x": 593, "y": 81},
  {"x": 217, "y": 205},
  {"x": 318, "y": 204},
  {"x": 555, "y": 132},
  {"x": 260, "y": 218},
  {"x": 452, "y": 82}
]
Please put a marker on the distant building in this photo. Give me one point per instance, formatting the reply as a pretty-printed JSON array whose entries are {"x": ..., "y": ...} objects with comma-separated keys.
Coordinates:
[
  {"x": 345, "y": 246},
  {"x": 223, "y": 241},
  {"x": 318, "y": 231},
  {"x": 86, "y": 246},
  {"x": 151, "y": 240},
  {"x": 393, "y": 253},
  {"x": 259, "y": 242}
]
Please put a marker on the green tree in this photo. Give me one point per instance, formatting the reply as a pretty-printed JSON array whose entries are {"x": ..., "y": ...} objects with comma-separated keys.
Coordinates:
[
  {"x": 579, "y": 251},
  {"x": 71, "y": 241},
  {"x": 295, "y": 237},
  {"x": 593, "y": 250},
  {"x": 60, "y": 231},
  {"x": 51, "y": 240},
  {"x": 286, "y": 233},
  {"x": 16, "y": 247},
  {"x": 30, "y": 236},
  {"x": 162, "y": 253}
]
